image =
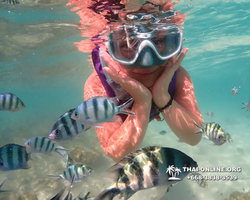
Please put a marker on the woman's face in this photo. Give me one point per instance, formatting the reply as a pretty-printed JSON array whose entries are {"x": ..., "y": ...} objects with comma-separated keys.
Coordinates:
[{"x": 147, "y": 76}]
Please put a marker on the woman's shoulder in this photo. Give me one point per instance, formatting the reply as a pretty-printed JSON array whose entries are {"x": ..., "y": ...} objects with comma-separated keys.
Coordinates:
[
  {"x": 183, "y": 74},
  {"x": 183, "y": 82},
  {"x": 93, "y": 87}
]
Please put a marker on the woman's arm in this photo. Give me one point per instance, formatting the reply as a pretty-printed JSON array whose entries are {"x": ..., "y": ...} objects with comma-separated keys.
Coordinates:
[
  {"x": 184, "y": 110},
  {"x": 118, "y": 139}
]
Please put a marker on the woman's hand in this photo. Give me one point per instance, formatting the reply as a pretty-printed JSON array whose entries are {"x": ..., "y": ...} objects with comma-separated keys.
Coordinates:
[
  {"x": 137, "y": 90},
  {"x": 160, "y": 89}
]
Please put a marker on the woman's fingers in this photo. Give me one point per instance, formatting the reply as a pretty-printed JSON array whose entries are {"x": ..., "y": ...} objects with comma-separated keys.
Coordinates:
[
  {"x": 109, "y": 61},
  {"x": 132, "y": 86},
  {"x": 178, "y": 62}
]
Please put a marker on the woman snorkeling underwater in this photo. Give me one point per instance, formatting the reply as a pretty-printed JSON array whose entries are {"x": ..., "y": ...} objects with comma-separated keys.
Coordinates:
[{"x": 144, "y": 59}]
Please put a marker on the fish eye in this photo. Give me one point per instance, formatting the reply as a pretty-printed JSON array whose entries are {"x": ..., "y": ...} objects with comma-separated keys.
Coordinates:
[
  {"x": 57, "y": 132},
  {"x": 28, "y": 143},
  {"x": 87, "y": 118},
  {"x": 76, "y": 114}
]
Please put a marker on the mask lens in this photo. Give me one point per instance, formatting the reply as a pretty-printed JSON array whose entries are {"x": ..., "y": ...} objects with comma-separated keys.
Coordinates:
[
  {"x": 123, "y": 47},
  {"x": 167, "y": 44}
]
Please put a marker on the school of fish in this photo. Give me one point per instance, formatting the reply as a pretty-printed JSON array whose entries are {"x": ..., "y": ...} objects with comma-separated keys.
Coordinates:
[{"x": 142, "y": 169}]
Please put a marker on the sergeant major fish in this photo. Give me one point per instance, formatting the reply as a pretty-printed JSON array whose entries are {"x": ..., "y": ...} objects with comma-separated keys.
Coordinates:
[
  {"x": 214, "y": 132},
  {"x": 77, "y": 171},
  {"x": 10, "y": 102},
  {"x": 67, "y": 128},
  {"x": 246, "y": 105},
  {"x": 13, "y": 156},
  {"x": 146, "y": 168},
  {"x": 210, "y": 114},
  {"x": 99, "y": 109},
  {"x": 11, "y": 1},
  {"x": 43, "y": 145},
  {"x": 235, "y": 90}
]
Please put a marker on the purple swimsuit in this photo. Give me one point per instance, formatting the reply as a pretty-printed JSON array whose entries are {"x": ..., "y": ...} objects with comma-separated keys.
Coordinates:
[{"x": 110, "y": 92}]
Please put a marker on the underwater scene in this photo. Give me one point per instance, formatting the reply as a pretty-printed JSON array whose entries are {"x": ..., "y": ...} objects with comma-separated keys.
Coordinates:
[{"x": 83, "y": 110}]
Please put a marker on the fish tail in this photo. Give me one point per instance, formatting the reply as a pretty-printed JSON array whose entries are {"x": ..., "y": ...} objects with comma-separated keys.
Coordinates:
[
  {"x": 244, "y": 105},
  {"x": 108, "y": 194},
  {"x": 201, "y": 129},
  {"x": 58, "y": 149},
  {"x": 124, "y": 108}
]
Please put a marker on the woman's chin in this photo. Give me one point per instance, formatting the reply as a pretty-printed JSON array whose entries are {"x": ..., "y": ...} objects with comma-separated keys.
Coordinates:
[{"x": 146, "y": 76}]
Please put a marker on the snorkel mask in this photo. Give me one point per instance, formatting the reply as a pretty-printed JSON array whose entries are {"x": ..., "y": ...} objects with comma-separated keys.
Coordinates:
[{"x": 145, "y": 41}]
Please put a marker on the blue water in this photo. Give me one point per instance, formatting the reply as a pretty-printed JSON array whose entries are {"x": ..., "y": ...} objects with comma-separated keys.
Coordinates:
[{"x": 40, "y": 63}]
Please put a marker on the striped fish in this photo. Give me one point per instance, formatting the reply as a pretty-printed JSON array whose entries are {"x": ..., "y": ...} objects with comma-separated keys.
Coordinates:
[
  {"x": 146, "y": 168},
  {"x": 246, "y": 105},
  {"x": 11, "y": 1},
  {"x": 214, "y": 132},
  {"x": 99, "y": 109},
  {"x": 43, "y": 145},
  {"x": 14, "y": 156},
  {"x": 77, "y": 170},
  {"x": 10, "y": 102},
  {"x": 66, "y": 128}
]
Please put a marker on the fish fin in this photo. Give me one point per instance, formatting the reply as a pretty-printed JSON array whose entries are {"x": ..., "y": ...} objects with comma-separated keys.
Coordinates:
[
  {"x": 59, "y": 176},
  {"x": 61, "y": 148},
  {"x": 116, "y": 118},
  {"x": 2, "y": 183},
  {"x": 201, "y": 129},
  {"x": 86, "y": 196},
  {"x": 199, "y": 132},
  {"x": 98, "y": 126},
  {"x": 205, "y": 137},
  {"x": 59, "y": 194},
  {"x": 114, "y": 171},
  {"x": 198, "y": 126},
  {"x": 129, "y": 194},
  {"x": 83, "y": 198},
  {"x": 124, "y": 108},
  {"x": 62, "y": 152},
  {"x": 38, "y": 156},
  {"x": 108, "y": 194},
  {"x": 70, "y": 111},
  {"x": 69, "y": 195},
  {"x": 1, "y": 191},
  {"x": 70, "y": 161},
  {"x": 115, "y": 100}
]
